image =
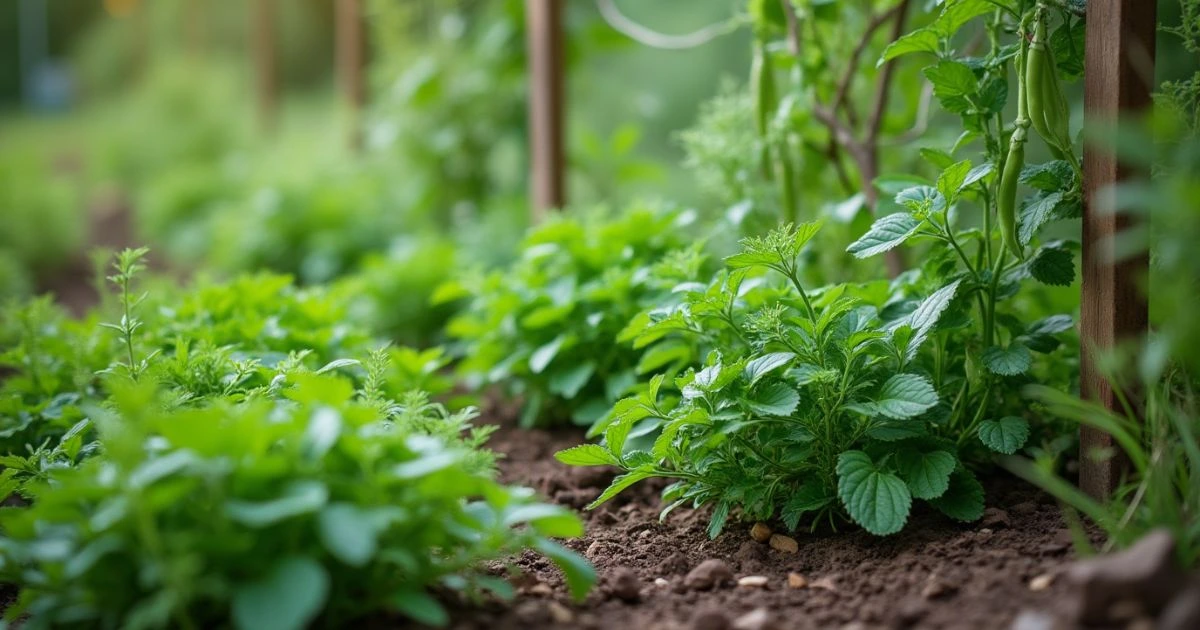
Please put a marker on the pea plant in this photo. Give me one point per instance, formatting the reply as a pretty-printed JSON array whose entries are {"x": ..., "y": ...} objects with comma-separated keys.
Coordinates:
[{"x": 819, "y": 404}]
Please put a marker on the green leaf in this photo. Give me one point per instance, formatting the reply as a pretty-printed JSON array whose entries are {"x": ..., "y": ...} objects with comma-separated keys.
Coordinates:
[
  {"x": 546, "y": 519},
  {"x": 952, "y": 179},
  {"x": 927, "y": 474},
  {"x": 956, "y": 13},
  {"x": 759, "y": 367},
  {"x": 809, "y": 497},
  {"x": 1051, "y": 325},
  {"x": 921, "y": 200},
  {"x": 920, "y": 40},
  {"x": 775, "y": 399},
  {"x": 904, "y": 396},
  {"x": 717, "y": 523},
  {"x": 1006, "y": 435},
  {"x": 420, "y": 607},
  {"x": 287, "y": 598},
  {"x": 1036, "y": 213},
  {"x": 620, "y": 483},
  {"x": 545, "y": 354},
  {"x": 568, "y": 381},
  {"x": 300, "y": 497},
  {"x": 878, "y": 501},
  {"x": 1053, "y": 176},
  {"x": 953, "y": 84},
  {"x": 347, "y": 533},
  {"x": 886, "y": 233},
  {"x": 587, "y": 455},
  {"x": 963, "y": 500},
  {"x": 1053, "y": 266},
  {"x": 1010, "y": 361},
  {"x": 577, "y": 571},
  {"x": 926, "y": 316}
]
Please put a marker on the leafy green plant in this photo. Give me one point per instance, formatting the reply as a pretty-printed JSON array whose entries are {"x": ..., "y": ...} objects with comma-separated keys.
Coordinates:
[
  {"x": 546, "y": 327},
  {"x": 268, "y": 515},
  {"x": 851, "y": 400}
]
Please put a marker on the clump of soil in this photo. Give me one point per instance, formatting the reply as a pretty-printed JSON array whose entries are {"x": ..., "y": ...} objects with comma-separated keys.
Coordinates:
[{"x": 935, "y": 574}]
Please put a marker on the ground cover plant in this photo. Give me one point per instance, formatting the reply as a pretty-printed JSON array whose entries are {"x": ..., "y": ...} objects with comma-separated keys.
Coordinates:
[{"x": 853, "y": 400}]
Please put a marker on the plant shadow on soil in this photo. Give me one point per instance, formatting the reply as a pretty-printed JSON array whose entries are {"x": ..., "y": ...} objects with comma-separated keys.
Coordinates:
[{"x": 934, "y": 574}]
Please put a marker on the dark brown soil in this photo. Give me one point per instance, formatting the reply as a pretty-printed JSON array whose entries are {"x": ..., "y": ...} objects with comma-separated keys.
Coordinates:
[{"x": 935, "y": 574}]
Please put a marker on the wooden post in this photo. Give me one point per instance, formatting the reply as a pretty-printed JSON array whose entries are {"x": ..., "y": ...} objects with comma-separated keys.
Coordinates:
[
  {"x": 351, "y": 52},
  {"x": 1118, "y": 79},
  {"x": 265, "y": 63},
  {"x": 546, "y": 78}
]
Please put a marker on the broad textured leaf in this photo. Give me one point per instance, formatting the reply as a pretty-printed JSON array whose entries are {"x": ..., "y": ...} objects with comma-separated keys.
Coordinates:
[
  {"x": 878, "y": 501},
  {"x": 287, "y": 598},
  {"x": 963, "y": 500},
  {"x": 761, "y": 366},
  {"x": 568, "y": 381},
  {"x": 620, "y": 483},
  {"x": 952, "y": 178},
  {"x": 1051, "y": 325},
  {"x": 1006, "y": 435},
  {"x": 809, "y": 497},
  {"x": 1010, "y": 361},
  {"x": 1053, "y": 176},
  {"x": 1053, "y": 266},
  {"x": 921, "y": 199},
  {"x": 775, "y": 399},
  {"x": 926, "y": 316},
  {"x": 956, "y": 13},
  {"x": 587, "y": 455},
  {"x": 1036, "y": 213},
  {"x": 905, "y": 396},
  {"x": 927, "y": 474},
  {"x": 886, "y": 233},
  {"x": 976, "y": 174},
  {"x": 920, "y": 40}
]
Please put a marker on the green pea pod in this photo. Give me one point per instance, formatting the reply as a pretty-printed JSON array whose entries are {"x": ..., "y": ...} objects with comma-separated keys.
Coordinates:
[
  {"x": 1054, "y": 103},
  {"x": 1006, "y": 204},
  {"x": 762, "y": 85},
  {"x": 1035, "y": 83}
]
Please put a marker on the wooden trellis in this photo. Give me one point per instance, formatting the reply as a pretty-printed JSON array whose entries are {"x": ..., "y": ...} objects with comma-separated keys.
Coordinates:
[{"x": 1119, "y": 78}]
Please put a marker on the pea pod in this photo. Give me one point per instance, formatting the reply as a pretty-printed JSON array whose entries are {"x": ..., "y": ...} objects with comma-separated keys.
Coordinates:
[
  {"x": 1054, "y": 103},
  {"x": 1006, "y": 203},
  {"x": 1037, "y": 92},
  {"x": 762, "y": 85}
]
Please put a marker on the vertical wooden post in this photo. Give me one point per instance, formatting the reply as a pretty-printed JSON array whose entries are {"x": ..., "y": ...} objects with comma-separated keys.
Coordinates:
[
  {"x": 262, "y": 35},
  {"x": 1118, "y": 80},
  {"x": 351, "y": 51},
  {"x": 544, "y": 38}
]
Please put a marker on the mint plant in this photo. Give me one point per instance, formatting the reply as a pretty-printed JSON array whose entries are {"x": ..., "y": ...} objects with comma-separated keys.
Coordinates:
[
  {"x": 268, "y": 514},
  {"x": 545, "y": 328}
]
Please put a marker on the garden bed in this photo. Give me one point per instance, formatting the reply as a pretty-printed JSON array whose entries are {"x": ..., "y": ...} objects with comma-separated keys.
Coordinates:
[{"x": 934, "y": 574}]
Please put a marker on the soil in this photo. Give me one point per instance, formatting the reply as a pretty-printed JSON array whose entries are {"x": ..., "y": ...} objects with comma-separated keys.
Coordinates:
[{"x": 935, "y": 574}]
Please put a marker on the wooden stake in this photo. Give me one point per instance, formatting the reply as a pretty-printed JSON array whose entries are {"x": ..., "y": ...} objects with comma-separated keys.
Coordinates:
[
  {"x": 265, "y": 63},
  {"x": 546, "y": 78},
  {"x": 351, "y": 52},
  {"x": 1119, "y": 74}
]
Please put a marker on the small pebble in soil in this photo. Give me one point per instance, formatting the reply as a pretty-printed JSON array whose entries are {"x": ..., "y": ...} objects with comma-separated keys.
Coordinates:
[
  {"x": 937, "y": 587},
  {"x": 1033, "y": 620},
  {"x": 760, "y": 532},
  {"x": 757, "y": 619},
  {"x": 624, "y": 584},
  {"x": 786, "y": 544},
  {"x": 560, "y": 613},
  {"x": 825, "y": 583},
  {"x": 755, "y": 581},
  {"x": 1145, "y": 573},
  {"x": 994, "y": 518},
  {"x": 1041, "y": 582},
  {"x": 709, "y": 574},
  {"x": 661, "y": 582},
  {"x": 795, "y": 580},
  {"x": 1024, "y": 508},
  {"x": 710, "y": 619}
]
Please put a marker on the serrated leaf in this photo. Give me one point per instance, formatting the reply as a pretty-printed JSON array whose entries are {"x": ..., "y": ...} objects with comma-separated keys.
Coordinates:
[
  {"x": 761, "y": 366},
  {"x": 963, "y": 500},
  {"x": 587, "y": 455},
  {"x": 976, "y": 174},
  {"x": 904, "y": 396},
  {"x": 1006, "y": 435},
  {"x": 921, "y": 199},
  {"x": 952, "y": 179},
  {"x": 886, "y": 233},
  {"x": 1010, "y": 361},
  {"x": 717, "y": 523},
  {"x": 926, "y": 316},
  {"x": 1053, "y": 176},
  {"x": 927, "y": 474},
  {"x": 775, "y": 399},
  {"x": 920, "y": 40},
  {"x": 809, "y": 497},
  {"x": 620, "y": 483},
  {"x": 1051, "y": 325},
  {"x": 878, "y": 501},
  {"x": 1036, "y": 213},
  {"x": 1053, "y": 266},
  {"x": 956, "y": 13}
]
